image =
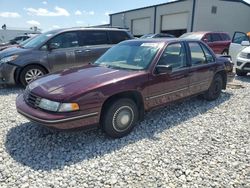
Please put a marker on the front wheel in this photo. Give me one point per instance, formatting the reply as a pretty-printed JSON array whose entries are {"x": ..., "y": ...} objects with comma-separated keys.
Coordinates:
[
  {"x": 215, "y": 88},
  {"x": 119, "y": 118},
  {"x": 30, "y": 73},
  {"x": 240, "y": 72}
]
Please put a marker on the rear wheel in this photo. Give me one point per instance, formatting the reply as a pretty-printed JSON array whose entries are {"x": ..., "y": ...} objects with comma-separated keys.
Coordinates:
[
  {"x": 120, "y": 118},
  {"x": 240, "y": 72},
  {"x": 215, "y": 88},
  {"x": 30, "y": 73}
]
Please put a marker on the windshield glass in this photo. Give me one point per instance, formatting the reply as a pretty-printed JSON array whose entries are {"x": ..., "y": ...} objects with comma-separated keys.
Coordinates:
[
  {"x": 38, "y": 40},
  {"x": 26, "y": 41},
  {"x": 136, "y": 55}
]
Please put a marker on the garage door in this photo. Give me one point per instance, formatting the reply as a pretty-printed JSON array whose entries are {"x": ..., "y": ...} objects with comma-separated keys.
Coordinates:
[
  {"x": 141, "y": 26},
  {"x": 174, "y": 21}
]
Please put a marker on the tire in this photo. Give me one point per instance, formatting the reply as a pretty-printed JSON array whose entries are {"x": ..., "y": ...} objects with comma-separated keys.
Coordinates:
[
  {"x": 215, "y": 88},
  {"x": 26, "y": 74},
  {"x": 240, "y": 72},
  {"x": 119, "y": 118},
  {"x": 225, "y": 52}
]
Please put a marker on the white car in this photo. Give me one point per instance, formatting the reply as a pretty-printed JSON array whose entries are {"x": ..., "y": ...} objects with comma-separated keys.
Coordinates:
[
  {"x": 243, "y": 62},
  {"x": 240, "y": 52}
]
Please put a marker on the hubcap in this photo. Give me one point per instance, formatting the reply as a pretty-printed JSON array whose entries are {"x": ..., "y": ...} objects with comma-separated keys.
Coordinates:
[
  {"x": 33, "y": 74},
  {"x": 123, "y": 118}
]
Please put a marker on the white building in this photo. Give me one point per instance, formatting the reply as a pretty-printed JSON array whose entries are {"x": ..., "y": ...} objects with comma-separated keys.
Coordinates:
[{"x": 180, "y": 16}]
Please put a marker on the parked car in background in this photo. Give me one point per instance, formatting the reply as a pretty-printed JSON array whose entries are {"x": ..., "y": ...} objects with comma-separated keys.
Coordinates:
[
  {"x": 157, "y": 35},
  {"x": 240, "y": 41},
  {"x": 56, "y": 50},
  {"x": 18, "y": 39},
  {"x": 219, "y": 42},
  {"x": 243, "y": 62},
  {"x": 3, "y": 47},
  {"x": 131, "y": 78}
]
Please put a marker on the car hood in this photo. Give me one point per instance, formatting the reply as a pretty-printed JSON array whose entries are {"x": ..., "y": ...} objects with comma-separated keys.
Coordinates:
[
  {"x": 63, "y": 85},
  {"x": 246, "y": 50},
  {"x": 13, "y": 51},
  {"x": 7, "y": 46}
]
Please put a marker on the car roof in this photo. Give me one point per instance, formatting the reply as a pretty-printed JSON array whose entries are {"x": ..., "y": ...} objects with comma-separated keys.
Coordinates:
[
  {"x": 205, "y": 32},
  {"x": 88, "y": 28},
  {"x": 161, "y": 40}
]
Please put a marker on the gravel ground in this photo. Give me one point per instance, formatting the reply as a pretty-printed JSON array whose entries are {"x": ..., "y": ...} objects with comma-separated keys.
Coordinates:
[{"x": 193, "y": 143}]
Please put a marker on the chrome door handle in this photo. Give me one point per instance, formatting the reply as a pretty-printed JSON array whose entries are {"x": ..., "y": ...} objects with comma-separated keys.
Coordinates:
[{"x": 78, "y": 51}]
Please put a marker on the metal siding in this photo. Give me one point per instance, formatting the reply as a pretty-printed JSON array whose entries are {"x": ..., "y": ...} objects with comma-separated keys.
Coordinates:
[
  {"x": 141, "y": 26},
  {"x": 174, "y": 21}
]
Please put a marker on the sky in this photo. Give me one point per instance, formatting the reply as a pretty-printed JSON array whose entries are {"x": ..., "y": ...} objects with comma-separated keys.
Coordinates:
[{"x": 53, "y": 14}]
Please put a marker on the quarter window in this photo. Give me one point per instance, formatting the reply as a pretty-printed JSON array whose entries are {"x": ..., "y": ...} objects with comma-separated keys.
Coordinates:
[
  {"x": 197, "y": 55},
  {"x": 117, "y": 36},
  {"x": 208, "y": 54},
  {"x": 65, "y": 40},
  {"x": 174, "y": 55}
]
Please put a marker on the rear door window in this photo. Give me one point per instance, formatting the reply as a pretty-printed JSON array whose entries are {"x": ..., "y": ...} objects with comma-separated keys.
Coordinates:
[
  {"x": 225, "y": 37},
  {"x": 89, "y": 38},
  {"x": 118, "y": 36},
  {"x": 239, "y": 37},
  {"x": 216, "y": 37},
  {"x": 197, "y": 54}
]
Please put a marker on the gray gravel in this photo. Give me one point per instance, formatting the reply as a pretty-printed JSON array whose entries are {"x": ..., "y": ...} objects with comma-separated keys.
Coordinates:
[{"x": 193, "y": 143}]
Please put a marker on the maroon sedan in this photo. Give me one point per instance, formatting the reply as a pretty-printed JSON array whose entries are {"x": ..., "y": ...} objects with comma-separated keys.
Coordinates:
[
  {"x": 129, "y": 79},
  {"x": 219, "y": 42}
]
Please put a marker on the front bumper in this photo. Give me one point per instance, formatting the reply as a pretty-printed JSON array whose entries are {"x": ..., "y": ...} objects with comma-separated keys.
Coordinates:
[
  {"x": 7, "y": 73},
  {"x": 243, "y": 64},
  {"x": 56, "y": 120}
]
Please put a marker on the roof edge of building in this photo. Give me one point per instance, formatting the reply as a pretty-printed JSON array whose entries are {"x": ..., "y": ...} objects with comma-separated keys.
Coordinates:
[
  {"x": 171, "y": 2},
  {"x": 152, "y": 6},
  {"x": 238, "y": 1}
]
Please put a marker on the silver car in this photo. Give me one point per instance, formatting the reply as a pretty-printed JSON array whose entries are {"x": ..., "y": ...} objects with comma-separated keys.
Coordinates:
[{"x": 56, "y": 50}]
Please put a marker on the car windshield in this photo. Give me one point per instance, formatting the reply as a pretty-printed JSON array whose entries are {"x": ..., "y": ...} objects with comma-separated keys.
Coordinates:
[
  {"x": 133, "y": 55},
  {"x": 195, "y": 36},
  {"x": 26, "y": 41},
  {"x": 38, "y": 40}
]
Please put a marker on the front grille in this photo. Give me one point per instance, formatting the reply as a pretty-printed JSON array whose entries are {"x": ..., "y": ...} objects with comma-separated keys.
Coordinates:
[
  {"x": 31, "y": 99},
  {"x": 245, "y": 55}
]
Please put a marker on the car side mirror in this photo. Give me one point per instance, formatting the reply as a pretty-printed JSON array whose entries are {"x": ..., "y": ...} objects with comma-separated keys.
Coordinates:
[
  {"x": 245, "y": 43},
  {"x": 53, "y": 46},
  {"x": 164, "y": 69}
]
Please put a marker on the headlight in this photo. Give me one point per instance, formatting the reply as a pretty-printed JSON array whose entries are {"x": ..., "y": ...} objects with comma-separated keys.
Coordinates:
[
  {"x": 58, "y": 107},
  {"x": 8, "y": 59},
  {"x": 49, "y": 105}
]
